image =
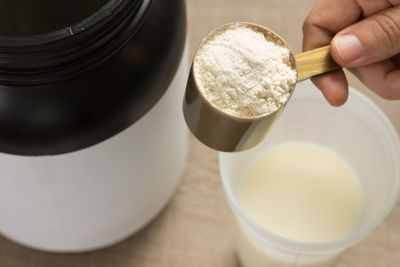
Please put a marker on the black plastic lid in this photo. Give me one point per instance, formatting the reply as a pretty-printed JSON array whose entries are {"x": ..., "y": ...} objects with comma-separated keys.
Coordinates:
[
  {"x": 44, "y": 58},
  {"x": 27, "y": 17},
  {"x": 73, "y": 88}
]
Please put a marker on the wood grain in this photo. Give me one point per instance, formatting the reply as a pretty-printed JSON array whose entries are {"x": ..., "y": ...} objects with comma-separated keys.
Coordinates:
[
  {"x": 197, "y": 228},
  {"x": 315, "y": 62}
]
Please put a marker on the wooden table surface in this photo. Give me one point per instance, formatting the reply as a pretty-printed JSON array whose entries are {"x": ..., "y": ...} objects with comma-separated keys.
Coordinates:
[{"x": 197, "y": 228}]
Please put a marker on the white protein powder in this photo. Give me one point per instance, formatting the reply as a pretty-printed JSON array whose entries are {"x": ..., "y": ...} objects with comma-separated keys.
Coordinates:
[{"x": 242, "y": 73}]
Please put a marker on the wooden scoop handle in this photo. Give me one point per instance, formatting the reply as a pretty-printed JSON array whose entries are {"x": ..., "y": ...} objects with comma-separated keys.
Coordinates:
[{"x": 315, "y": 62}]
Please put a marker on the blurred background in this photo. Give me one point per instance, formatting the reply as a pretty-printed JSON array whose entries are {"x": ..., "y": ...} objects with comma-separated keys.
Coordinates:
[{"x": 197, "y": 227}]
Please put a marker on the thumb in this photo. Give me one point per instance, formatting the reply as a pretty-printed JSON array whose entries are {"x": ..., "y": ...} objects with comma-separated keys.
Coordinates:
[{"x": 370, "y": 40}]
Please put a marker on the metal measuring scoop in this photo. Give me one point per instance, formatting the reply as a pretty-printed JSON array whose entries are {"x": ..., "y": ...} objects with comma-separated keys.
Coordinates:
[{"x": 228, "y": 133}]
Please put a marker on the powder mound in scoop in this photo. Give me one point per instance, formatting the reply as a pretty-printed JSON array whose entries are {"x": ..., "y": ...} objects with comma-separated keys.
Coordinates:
[{"x": 242, "y": 73}]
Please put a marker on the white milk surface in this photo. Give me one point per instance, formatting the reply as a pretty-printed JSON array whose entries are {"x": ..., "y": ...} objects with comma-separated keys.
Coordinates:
[{"x": 302, "y": 192}]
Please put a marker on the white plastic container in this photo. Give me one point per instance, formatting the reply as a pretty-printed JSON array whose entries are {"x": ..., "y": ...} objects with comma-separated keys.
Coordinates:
[
  {"x": 97, "y": 196},
  {"x": 361, "y": 134}
]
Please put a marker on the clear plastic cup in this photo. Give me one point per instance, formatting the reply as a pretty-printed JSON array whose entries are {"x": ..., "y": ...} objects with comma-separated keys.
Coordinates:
[{"x": 360, "y": 133}]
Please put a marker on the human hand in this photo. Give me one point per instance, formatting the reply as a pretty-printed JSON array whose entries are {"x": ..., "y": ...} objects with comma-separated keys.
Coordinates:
[{"x": 364, "y": 37}]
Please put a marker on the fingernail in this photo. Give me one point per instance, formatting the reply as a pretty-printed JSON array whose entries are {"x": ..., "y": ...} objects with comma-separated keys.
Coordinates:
[{"x": 349, "y": 47}]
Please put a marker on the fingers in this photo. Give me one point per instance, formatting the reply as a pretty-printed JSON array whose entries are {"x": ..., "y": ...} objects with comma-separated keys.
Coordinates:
[
  {"x": 319, "y": 29},
  {"x": 333, "y": 86},
  {"x": 329, "y": 17},
  {"x": 322, "y": 23},
  {"x": 371, "y": 7},
  {"x": 383, "y": 78},
  {"x": 371, "y": 40}
]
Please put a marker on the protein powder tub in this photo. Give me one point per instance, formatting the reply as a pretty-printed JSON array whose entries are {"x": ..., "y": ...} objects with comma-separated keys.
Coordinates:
[{"x": 244, "y": 72}]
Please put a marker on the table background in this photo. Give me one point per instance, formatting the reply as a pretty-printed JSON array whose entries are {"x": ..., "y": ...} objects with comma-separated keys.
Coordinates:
[{"x": 197, "y": 228}]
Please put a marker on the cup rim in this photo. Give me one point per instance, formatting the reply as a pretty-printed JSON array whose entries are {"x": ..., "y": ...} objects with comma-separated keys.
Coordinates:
[{"x": 332, "y": 246}]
